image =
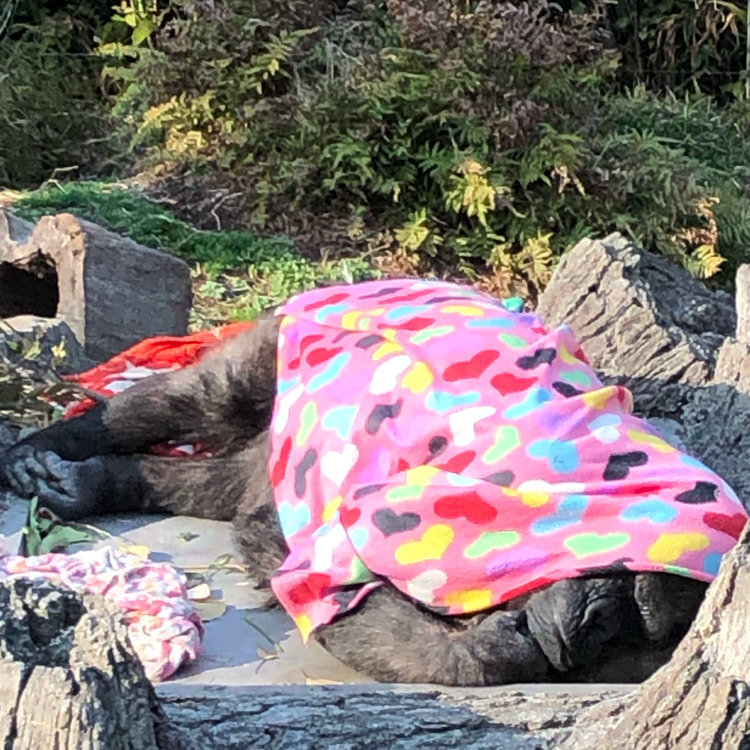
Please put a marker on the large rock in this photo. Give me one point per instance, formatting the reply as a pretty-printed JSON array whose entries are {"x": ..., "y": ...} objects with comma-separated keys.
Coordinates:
[
  {"x": 68, "y": 676},
  {"x": 111, "y": 291},
  {"x": 642, "y": 321}
]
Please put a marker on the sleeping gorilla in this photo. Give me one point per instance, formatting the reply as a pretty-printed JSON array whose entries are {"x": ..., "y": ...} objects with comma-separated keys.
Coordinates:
[{"x": 608, "y": 624}]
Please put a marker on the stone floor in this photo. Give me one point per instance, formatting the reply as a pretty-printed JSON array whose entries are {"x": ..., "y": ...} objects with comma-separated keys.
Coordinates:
[{"x": 238, "y": 643}]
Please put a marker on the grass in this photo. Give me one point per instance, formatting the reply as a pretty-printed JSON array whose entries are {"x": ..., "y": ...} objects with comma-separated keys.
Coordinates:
[{"x": 236, "y": 273}]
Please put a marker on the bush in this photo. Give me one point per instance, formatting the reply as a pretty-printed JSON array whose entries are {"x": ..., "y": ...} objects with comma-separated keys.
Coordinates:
[{"x": 51, "y": 113}]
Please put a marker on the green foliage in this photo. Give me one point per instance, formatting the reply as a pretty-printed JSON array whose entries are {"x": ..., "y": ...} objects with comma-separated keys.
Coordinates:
[
  {"x": 480, "y": 137},
  {"x": 243, "y": 270},
  {"x": 51, "y": 114}
]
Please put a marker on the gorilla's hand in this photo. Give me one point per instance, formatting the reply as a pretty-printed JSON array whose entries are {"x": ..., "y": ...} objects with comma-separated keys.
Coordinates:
[
  {"x": 574, "y": 618},
  {"x": 70, "y": 489}
]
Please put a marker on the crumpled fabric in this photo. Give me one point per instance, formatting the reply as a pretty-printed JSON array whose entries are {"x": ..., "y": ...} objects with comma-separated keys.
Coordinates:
[
  {"x": 163, "y": 626},
  {"x": 425, "y": 435}
]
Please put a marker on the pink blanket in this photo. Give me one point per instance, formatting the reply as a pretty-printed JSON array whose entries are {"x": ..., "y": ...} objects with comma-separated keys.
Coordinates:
[{"x": 425, "y": 435}]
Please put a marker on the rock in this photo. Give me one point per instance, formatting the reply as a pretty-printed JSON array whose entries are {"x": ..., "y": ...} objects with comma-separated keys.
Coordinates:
[
  {"x": 68, "y": 677},
  {"x": 111, "y": 291},
  {"x": 642, "y": 322},
  {"x": 49, "y": 334}
]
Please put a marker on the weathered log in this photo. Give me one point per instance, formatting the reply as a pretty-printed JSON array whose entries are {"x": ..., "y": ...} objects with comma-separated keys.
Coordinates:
[
  {"x": 110, "y": 290},
  {"x": 68, "y": 677},
  {"x": 701, "y": 698},
  {"x": 640, "y": 320},
  {"x": 364, "y": 717}
]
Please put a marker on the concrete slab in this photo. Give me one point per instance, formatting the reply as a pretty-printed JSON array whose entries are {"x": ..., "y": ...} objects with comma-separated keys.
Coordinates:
[{"x": 251, "y": 643}]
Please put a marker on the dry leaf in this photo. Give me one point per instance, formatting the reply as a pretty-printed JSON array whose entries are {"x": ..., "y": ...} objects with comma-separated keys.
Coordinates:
[
  {"x": 200, "y": 592},
  {"x": 210, "y": 609}
]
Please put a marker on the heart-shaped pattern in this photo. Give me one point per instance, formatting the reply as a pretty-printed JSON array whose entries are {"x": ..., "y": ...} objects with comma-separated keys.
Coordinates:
[
  {"x": 562, "y": 456},
  {"x": 434, "y": 332},
  {"x": 278, "y": 471},
  {"x": 731, "y": 525},
  {"x": 703, "y": 492},
  {"x": 390, "y": 522},
  {"x": 544, "y": 356},
  {"x": 349, "y": 516},
  {"x": 423, "y": 586},
  {"x": 506, "y": 383},
  {"x": 535, "y": 399},
  {"x": 471, "y": 600},
  {"x": 468, "y": 505},
  {"x": 301, "y": 469},
  {"x": 336, "y": 465},
  {"x": 604, "y": 428},
  {"x": 283, "y": 406},
  {"x": 385, "y": 378},
  {"x": 325, "y": 546},
  {"x": 491, "y": 541},
  {"x": 569, "y": 512},
  {"x": 459, "y": 462},
  {"x": 322, "y": 354},
  {"x": 293, "y": 517},
  {"x": 308, "y": 418},
  {"x": 418, "y": 379},
  {"x": 653, "y": 510},
  {"x": 668, "y": 548},
  {"x": 462, "y": 423},
  {"x": 432, "y": 546},
  {"x": 653, "y": 441},
  {"x": 380, "y": 413},
  {"x": 330, "y": 373},
  {"x": 619, "y": 464},
  {"x": 470, "y": 368},
  {"x": 310, "y": 589},
  {"x": 507, "y": 439},
  {"x": 590, "y": 543},
  {"x": 441, "y": 402},
  {"x": 340, "y": 420}
]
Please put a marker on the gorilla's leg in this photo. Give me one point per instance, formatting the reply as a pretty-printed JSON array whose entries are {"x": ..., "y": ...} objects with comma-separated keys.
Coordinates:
[
  {"x": 222, "y": 401},
  {"x": 391, "y": 639}
]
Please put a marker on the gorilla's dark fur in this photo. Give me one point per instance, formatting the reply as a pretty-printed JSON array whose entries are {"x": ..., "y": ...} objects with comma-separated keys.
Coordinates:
[{"x": 615, "y": 626}]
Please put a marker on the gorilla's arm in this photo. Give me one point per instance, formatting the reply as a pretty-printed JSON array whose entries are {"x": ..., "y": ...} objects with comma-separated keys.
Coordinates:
[{"x": 223, "y": 400}]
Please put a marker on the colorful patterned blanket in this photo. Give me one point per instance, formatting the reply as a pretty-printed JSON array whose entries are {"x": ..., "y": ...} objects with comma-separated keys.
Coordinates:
[{"x": 427, "y": 435}]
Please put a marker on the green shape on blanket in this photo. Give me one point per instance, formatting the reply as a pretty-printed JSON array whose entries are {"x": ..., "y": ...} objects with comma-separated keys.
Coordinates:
[
  {"x": 308, "y": 419},
  {"x": 585, "y": 545},
  {"x": 490, "y": 541},
  {"x": 507, "y": 438}
]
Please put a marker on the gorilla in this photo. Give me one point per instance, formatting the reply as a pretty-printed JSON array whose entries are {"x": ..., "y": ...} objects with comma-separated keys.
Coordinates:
[{"x": 611, "y": 622}]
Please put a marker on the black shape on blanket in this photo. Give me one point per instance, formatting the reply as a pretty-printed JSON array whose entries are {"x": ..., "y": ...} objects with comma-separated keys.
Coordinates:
[{"x": 592, "y": 628}]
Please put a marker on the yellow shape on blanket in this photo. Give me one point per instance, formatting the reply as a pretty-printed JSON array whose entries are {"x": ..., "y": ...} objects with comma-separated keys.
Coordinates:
[
  {"x": 669, "y": 547},
  {"x": 330, "y": 508},
  {"x": 473, "y": 600},
  {"x": 304, "y": 625},
  {"x": 418, "y": 379},
  {"x": 421, "y": 475},
  {"x": 432, "y": 546},
  {"x": 567, "y": 357},
  {"x": 389, "y": 347},
  {"x": 654, "y": 441},
  {"x": 349, "y": 320},
  {"x": 598, "y": 399},
  {"x": 468, "y": 311},
  {"x": 534, "y": 499}
]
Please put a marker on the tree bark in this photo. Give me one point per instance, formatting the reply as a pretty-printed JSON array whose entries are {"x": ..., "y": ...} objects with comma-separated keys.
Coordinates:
[{"x": 68, "y": 677}]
